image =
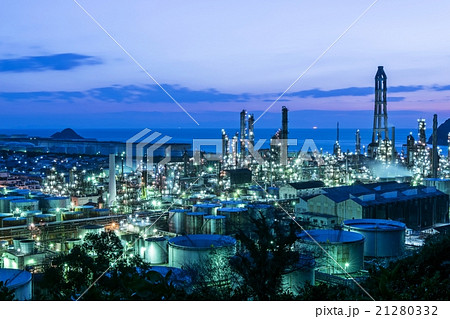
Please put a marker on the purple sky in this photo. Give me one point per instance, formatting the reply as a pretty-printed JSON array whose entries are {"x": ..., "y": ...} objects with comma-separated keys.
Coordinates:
[{"x": 59, "y": 69}]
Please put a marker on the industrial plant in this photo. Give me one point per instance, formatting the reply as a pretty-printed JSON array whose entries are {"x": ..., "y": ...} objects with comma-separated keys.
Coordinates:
[{"x": 176, "y": 206}]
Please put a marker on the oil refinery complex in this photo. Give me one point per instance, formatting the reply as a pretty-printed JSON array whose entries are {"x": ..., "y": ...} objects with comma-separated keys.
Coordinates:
[{"x": 370, "y": 205}]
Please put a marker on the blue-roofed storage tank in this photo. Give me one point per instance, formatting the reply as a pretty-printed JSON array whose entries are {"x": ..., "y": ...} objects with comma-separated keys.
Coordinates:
[
  {"x": 5, "y": 203},
  {"x": 236, "y": 219},
  {"x": 44, "y": 218},
  {"x": 344, "y": 247},
  {"x": 194, "y": 249},
  {"x": 214, "y": 224},
  {"x": 384, "y": 238},
  {"x": 23, "y": 205},
  {"x": 19, "y": 281},
  {"x": 54, "y": 202}
]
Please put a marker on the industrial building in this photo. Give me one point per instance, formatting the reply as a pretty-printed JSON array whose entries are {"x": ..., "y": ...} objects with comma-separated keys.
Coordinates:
[{"x": 419, "y": 207}]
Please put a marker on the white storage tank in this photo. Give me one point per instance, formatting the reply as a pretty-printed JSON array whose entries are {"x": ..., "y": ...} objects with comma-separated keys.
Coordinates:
[
  {"x": 297, "y": 276},
  {"x": 177, "y": 221},
  {"x": 346, "y": 248},
  {"x": 195, "y": 249},
  {"x": 236, "y": 219},
  {"x": 19, "y": 281},
  {"x": 16, "y": 242},
  {"x": 194, "y": 222},
  {"x": 156, "y": 250},
  {"x": 27, "y": 246},
  {"x": 90, "y": 229},
  {"x": 23, "y": 205},
  {"x": 384, "y": 238},
  {"x": 214, "y": 224},
  {"x": 207, "y": 208}
]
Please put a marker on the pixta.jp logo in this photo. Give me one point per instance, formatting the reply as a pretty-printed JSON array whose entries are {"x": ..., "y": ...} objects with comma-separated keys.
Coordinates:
[{"x": 145, "y": 147}]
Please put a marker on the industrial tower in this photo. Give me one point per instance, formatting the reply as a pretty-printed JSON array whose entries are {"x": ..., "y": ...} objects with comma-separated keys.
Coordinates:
[{"x": 380, "y": 118}]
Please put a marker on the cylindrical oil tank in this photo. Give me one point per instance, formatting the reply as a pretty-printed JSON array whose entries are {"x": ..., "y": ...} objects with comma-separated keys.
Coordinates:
[
  {"x": 19, "y": 281},
  {"x": 384, "y": 238},
  {"x": 5, "y": 203},
  {"x": 142, "y": 226},
  {"x": 236, "y": 219},
  {"x": 233, "y": 203},
  {"x": 54, "y": 202},
  {"x": 156, "y": 250},
  {"x": 177, "y": 221},
  {"x": 14, "y": 221},
  {"x": 197, "y": 249},
  {"x": 90, "y": 229},
  {"x": 255, "y": 210},
  {"x": 71, "y": 242},
  {"x": 27, "y": 246},
  {"x": 3, "y": 216},
  {"x": 44, "y": 218},
  {"x": 59, "y": 212},
  {"x": 23, "y": 205},
  {"x": 344, "y": 247},
  {"x": 194, "y": 222},
  {"x": 29, "y": 215},
  {"x": 207, "y": 208},
  {"x": 214, "y": 224},
  {"x": 17, "y": 240},
  {"x": 72, "y": 215},
  {"x": 86, "y": 209},
  {"x": 296, "y": 276}
]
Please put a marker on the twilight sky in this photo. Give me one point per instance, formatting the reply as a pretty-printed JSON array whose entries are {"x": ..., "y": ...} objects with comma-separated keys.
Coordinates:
[{"x": 59, "y": 69}]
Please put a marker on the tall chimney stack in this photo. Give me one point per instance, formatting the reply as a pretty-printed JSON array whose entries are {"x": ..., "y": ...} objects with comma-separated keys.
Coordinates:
[
  {"x": 434, "y": 155},
  {"x": 112, "y": 179}
]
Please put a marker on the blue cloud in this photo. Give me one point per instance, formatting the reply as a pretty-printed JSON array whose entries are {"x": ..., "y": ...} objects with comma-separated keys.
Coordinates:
[
  {"x": 154, "y": 94},
  {"x": 58, "y": 62}
]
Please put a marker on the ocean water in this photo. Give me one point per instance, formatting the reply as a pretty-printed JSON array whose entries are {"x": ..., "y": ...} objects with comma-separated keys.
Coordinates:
[{"x": 323, "y": 138}]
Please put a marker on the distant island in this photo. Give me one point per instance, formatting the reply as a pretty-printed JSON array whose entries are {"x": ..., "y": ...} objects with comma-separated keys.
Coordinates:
[
  {"x": 442, "y": 134},
  {"x": 67, "y": 134}
]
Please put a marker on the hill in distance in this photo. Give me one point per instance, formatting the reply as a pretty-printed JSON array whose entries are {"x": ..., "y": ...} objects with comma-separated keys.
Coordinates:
[
  {"x": 67, "y": 134},
  {"x": 442, "y": 133}
]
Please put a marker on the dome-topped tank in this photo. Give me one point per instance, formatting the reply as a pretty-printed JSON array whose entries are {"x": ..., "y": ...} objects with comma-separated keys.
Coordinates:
[
  {"x": 344, "y": 247},
  {"x": 384, "y": 238},
  {"x": 195, "y": 249}
]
